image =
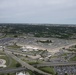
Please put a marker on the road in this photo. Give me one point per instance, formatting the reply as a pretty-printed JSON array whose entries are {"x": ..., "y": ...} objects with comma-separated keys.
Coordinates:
[
  {"x": 56, "y": 64},
  {"x": 9, "y": 59},
  {"x": 12, "y": 70},
  {"x": 24, "y": 64}
]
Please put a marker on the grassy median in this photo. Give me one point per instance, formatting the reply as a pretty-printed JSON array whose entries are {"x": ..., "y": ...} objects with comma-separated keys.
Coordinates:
[
  {"x": 47, "y": 69},
  {"x": 73, "y": 59}
]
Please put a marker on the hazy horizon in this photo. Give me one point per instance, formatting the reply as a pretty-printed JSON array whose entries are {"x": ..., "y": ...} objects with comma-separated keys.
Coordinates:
[{"x": 38, "y": 11}]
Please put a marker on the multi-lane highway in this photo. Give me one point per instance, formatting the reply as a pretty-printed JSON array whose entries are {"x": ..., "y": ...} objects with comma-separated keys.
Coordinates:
[
  {"x": 24, "y": 64},
  {"x": 56, "y": 64},
  {"x": 12, "y": 70}
]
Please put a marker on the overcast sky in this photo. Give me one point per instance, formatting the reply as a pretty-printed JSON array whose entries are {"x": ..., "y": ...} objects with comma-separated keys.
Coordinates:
[{"x": 38, "y": 11}]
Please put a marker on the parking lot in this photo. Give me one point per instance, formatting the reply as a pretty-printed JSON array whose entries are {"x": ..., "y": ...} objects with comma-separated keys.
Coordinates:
[{"x": 70, "y": 70}]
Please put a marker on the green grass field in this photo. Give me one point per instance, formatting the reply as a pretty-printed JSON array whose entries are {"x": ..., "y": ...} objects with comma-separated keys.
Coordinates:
[
  {"x": 73, "y": 59},
  {"x": 5, "y": 58},
  {"x": 9, "y": 61},
  {"x": 47, "y": 69},
  {"x": 13, "y": 47}
]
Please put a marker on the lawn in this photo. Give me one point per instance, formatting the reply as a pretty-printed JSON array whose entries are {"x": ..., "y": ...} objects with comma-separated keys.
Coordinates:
[
  {"x": 73, "y": 59},
  {"x": 9, "y": 61},
  {"x": 47, "y": 69},
  {"x": 9, "y": 74},
  {"x": 14, "y": 46},
  {"x": 5, "y": 58},
  {"x": 2, "y": 53},
  {"x": 13, "y": 63},
  {"x": 33, "y": 63}
]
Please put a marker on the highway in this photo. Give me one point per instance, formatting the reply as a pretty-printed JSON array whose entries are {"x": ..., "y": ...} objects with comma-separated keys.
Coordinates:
[
  {"x": 56, "y": 64},
  {"x": 24, "y": 64},
  {"x": 12, "y": 70}
]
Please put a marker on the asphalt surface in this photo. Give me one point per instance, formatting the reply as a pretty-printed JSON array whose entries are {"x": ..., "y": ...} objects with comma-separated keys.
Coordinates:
[
  {"x": 24, "y": 64},
  {"x": 70, "y": 70},
  {"x": 12, "y": 70},
  {"x": 56, "y": 64}
]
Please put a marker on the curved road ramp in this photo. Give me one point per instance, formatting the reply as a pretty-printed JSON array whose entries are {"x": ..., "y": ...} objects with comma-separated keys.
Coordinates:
[{"x": 24, "y": 64}]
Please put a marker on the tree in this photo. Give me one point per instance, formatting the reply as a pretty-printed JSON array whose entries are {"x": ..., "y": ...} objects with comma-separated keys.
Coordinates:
[
  {"x": 15, "y": 36},
  {"x": 18, "y": 65},
  {"x": 66, "y": 74},
  {"x": 8, "y": 74},
  {"x": 56, "y": 73},
  {"x": 36, "y": 73}
]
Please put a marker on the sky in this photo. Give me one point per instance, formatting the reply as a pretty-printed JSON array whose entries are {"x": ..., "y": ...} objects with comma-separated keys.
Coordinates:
[{"x": 38, "y": 11}]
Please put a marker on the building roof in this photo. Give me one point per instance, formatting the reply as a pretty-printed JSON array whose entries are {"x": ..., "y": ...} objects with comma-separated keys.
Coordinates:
[{"x": 21, "y": 73}]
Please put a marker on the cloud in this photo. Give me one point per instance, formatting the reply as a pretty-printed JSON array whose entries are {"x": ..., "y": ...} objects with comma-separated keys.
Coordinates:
[{"x": 38, "y": 11}]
